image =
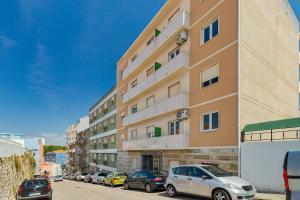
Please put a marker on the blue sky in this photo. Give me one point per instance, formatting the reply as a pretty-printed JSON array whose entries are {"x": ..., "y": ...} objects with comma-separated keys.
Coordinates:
[{"x": 58, "y": 57}]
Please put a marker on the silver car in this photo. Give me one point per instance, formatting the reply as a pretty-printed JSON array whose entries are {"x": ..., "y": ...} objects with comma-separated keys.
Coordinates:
[
  {"x": 291, "y": 175},
  {"x": 208, "y": 181}
]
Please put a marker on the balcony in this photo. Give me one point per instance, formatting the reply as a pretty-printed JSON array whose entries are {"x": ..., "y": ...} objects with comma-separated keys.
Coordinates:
[
  {"x": 164, "y": 142},
  {"x": 168, "y": 105},
  {"x": 180, "y": 22},
  {"x": 179, "y": 62}
]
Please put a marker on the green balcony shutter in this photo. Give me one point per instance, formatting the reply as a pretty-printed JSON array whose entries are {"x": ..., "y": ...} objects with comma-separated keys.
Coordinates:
[
  {"x": 157, "y": 65},
  {"x": 157, "y": 32},
  {"x": 157, "y": 132}
]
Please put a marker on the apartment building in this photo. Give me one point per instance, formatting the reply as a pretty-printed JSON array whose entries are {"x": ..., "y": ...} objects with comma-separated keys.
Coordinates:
[
  {"x": 71, "y": 144},
  {"x": 77, "y": 144},
  {"x": 103, "y": 133},
  {"x": 197, "y": 74}
]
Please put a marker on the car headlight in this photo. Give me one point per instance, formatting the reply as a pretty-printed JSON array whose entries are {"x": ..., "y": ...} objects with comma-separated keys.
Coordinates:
[{"x": 233, "y": 187}]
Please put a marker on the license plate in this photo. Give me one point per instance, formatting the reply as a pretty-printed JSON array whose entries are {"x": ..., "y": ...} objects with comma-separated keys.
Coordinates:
[{"x": 34, "y": 194}]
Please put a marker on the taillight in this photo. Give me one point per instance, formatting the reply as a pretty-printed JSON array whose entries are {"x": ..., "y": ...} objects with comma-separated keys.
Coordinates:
[
  {"x": 49, "y": 187},
  {"x": 20, "y": 190},
  {"x": 157, "y": 179},
  {"x": 285, "y": 178}
]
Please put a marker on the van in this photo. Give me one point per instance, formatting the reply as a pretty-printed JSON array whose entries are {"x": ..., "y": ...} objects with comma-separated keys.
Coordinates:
[{"x": 291, "y": 175}]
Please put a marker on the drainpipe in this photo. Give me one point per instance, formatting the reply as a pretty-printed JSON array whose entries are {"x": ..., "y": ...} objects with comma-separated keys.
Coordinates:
[{"x": 239, "y": 92}]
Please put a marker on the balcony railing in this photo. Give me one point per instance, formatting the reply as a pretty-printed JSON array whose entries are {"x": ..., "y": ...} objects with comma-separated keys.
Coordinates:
[
  {"x": 180, "y": 21},
  {"x": 171, "y": 104},
  {"x": 163, "y": 142},
  {"x": 166, "y": 70}
]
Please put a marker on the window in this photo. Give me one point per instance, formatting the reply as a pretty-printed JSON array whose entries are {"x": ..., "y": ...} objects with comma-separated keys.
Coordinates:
[
  {"x": 122, "y": 95},
  {"x": 210, "y": 76},
  {"x": 173, "y": 127},
  {"x": 196, "y": 172},
  {"x": 133, "y": 109},
  {"x": 112, "y": 120},
  {"x": 105, "y": 123},
  {"x": 150, "y": 101},
  {"x": 174, "y": 89},
  {"x": 210, "y": 121},
  {"x": 112, "y": 139},
  {"x": 150, "y": 40},
  {"x": 173, "y": 15},
  {"x": 122, "y": 74},
  {"x": 105, "y": 105},
  {"x": 112, "y": 157},
  {"x": 133, "y": 134},
  {"x": 133, "y": 58},
  {"x": 210, "y": 31},
  {"x": 182, "y": 171},
  {"x": 173, "y": 53},
  {"x": 150, "y": 132},
  {"x": 105, "y": 157},
  {"x": 134, "y": 83},
  {"x": 150, "y": 71},
  {"x": 105, "y": 140}
]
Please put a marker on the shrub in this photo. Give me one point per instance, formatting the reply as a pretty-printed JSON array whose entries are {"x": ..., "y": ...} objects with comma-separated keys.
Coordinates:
[{"x": 18, "y": 164}]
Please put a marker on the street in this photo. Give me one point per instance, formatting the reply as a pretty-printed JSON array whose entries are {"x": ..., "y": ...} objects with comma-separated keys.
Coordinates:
[{"x": 72, "y": 190}]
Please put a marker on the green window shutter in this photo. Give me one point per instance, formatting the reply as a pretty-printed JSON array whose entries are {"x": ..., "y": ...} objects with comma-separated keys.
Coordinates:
[
  {"x": 157, "y": 132},
  {"x": 157, "y": 65},
  {"x": 157, "y": 32}
]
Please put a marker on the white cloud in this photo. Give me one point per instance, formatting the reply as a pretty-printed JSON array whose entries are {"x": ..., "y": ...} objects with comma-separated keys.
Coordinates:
[{"x": 54, "y": 138}]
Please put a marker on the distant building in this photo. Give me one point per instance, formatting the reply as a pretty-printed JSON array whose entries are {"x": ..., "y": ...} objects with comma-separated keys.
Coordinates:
[
  {"x": 77, "y": 145},
  {"x": 19, "y": 138},
  {"x": 56, "y": 157},
  {"x": 36, "y": 146}
]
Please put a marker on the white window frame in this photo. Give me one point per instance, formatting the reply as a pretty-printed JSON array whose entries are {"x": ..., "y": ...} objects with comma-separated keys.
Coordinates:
[
  {"x": 169, "y": 127},
  {"x": 150, "y": 134},
  {"x": 134, "y": 83},
  {"x": 173, "y": 52},
  {"x": 201, "y": 75},
  {"x": 147, "y": 101},
  {"x": 210, "y": 31},
  {"x": 132, "y": 131},
  {"x": 210, "y": 121},
  {"x": 131, "y": 108}
]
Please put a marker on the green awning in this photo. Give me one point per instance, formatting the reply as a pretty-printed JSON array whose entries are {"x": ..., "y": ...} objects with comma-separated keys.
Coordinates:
[{"x": 271, "y": 125}]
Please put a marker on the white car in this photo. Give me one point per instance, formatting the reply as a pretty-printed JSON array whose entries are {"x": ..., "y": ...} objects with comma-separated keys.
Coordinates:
[
  {"x": 208, "y": 181},
  {"x": 58, "y": 178},
  {"x": 100, "y": 178},
  {"x": 81, "y": 177}
]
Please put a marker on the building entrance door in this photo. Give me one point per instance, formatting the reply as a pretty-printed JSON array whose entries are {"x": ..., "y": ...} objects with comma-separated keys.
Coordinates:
[{"x": 147, "y": 162}]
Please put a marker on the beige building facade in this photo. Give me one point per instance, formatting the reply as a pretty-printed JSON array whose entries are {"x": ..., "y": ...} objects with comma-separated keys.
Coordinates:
[{"x": 199, "y": 72}]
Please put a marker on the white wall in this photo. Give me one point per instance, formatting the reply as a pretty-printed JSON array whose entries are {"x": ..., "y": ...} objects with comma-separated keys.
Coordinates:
[
  {"x": 261, "y": 163},
  {"x": 83, "y": 124},
  {"x": 9, "y": 148}
]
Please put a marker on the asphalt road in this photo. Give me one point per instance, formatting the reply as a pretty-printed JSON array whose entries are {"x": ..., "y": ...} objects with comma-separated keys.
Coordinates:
[{"x": 72, "y": 190}]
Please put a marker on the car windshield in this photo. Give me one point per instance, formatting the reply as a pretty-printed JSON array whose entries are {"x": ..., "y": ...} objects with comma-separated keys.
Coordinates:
[
  {"x": 159, "y": 173},
  {"x": 32, "y": 183},
  {"x": 121, "y": 174},
  {"x": 217, "y": 171}
]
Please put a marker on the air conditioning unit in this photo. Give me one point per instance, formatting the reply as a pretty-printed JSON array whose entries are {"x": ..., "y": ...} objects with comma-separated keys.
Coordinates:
[
  {"x": 183, "y": 114},
  {"x": 182, "y": 37}
]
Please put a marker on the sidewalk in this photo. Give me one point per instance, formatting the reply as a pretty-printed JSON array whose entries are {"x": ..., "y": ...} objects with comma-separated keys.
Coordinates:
[{"x": 265, "y": 196}]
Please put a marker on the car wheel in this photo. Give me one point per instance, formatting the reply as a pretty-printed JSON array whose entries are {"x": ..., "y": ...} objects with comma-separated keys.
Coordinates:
[
  {"x": 126, "y": 186},
  {"x": 220, "y": 194},
  {"x": 148, "y": 188},
  {"x": 111, "y": 184},
  {"x": 171, "y": 191}
]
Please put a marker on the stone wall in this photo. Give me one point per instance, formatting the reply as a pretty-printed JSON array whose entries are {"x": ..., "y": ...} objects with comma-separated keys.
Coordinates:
[
  {"x": 225, "y": 158},
  {"x": 13, "y": 170}
]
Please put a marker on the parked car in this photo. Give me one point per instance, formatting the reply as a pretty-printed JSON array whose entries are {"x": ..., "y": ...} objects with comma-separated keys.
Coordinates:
[
  {"x": 88, "y": 178},
  {"x": 291, "y": 175},
  {"x": 208, "y": 181},
  {"x": 81, "y": 177},
  {"x": 100, "y": 178},
  {"x": 115, "y": 178},
  {"x": 58, "y": 178},
  {"x": 35, "y": 189},
  {"x": 146, "y": 180}
]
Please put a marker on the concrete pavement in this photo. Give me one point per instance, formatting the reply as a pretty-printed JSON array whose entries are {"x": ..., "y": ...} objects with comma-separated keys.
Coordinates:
[{"x": 72, "y": 190}]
